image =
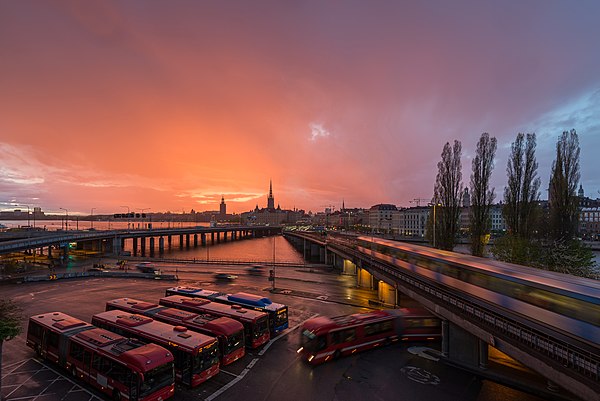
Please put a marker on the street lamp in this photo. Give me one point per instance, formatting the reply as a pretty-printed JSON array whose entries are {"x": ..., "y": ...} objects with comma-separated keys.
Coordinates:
[
  {"x": 66, "y": 218},
  {"x": 142, "y": 211},
  {"x": 92, "y": 218},
  {"x": 434, "y": 220}
]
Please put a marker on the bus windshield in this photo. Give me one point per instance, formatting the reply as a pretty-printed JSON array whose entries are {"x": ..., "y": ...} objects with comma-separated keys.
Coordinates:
[
  {"x": 234, "y": 341},
  {"x": 282, "y": 317},
  {"x": 312, "y": 343},
  {"x": 261, "y": 327},
  {"x": 157, "y": 378},
  {"x": 207, "y": 358}
]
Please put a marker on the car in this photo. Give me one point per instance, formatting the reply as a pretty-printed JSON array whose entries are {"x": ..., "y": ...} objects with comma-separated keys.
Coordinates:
[
  {"x": 225, "y": 276},
  {"x": 256, "y": 269}
]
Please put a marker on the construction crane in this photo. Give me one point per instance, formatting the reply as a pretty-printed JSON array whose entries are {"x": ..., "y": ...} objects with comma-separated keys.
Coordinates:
[{"x": 419, "y": 200}]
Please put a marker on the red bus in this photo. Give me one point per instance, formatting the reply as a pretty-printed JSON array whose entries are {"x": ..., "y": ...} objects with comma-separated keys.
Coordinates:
[
  {"x": 278, "y": 313},
  {"x": 118, "y": 367},
  {"x": 256, "y": 323},
  {"x": 324, "y": 338},
  {"x": 196, "y": 355},
  {"x": 229, "y": 332}
]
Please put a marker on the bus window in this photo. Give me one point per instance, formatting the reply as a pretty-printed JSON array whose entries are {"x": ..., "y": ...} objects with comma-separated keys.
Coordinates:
[{"x": 343, "y": 336}]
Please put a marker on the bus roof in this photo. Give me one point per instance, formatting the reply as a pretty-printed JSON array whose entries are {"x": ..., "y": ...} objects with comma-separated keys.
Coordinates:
[
  {"x": 155, "y": 331},
  {"x": 252, "y": 300},
  {"x": 201, "y": 305},
  {"x": 324, "y": 324},
  {"x": 60, "y": 322},
  {"x": 133, "y": 304},
  {"x": 194, "y": 290}
]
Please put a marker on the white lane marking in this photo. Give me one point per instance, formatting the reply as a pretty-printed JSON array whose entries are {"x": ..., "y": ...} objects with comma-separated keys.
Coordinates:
[
  {"x": 252, "y": 363},
  {"x": 231, "y": 383},
  {"x": 422, "y": 352},
  {"x": 262, "y": 351},
  {"x": 229, "y": 373},
  {"x": 20, "y": 363}
]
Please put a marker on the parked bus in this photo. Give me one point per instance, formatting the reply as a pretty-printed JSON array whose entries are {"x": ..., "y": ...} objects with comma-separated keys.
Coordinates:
[
  {"x": 278, "y": 313},
  {"x": 116, "y": 366},
  {"x": 256, "y": 323},
  {"x": 324, "y": 338},
  {"x": 229, "y": 332},
  {"x": 196, "y": 355}
]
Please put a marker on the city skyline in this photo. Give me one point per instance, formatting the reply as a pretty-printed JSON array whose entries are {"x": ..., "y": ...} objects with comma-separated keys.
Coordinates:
[{"x": 170, "y": 107}]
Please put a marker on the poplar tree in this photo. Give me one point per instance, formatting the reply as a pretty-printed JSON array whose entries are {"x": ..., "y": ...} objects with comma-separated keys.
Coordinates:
[
  {"x": 562, "y": 197},
  {"x": 481, "y": 194},
  {"x": 522, "y": 191},
  {"x": 447, "y": 190},
  {"x": 10, "y": 327},
  {"x": 520, "y": 210}
]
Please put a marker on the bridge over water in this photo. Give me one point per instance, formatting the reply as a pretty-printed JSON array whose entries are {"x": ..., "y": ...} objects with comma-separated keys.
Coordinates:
[
  {"x": 475, "y": 318},
  {"x": 113, "y": 241}
]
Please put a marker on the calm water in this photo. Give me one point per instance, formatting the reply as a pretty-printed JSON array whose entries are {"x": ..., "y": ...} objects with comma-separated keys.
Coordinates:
[
  {"x": 74, "y": 224},
  {"x": 250, "y": 250}
]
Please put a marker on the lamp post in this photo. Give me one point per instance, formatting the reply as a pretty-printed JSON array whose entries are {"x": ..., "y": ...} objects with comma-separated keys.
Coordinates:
[
  {"x": 66, "y": 218},
  {"x": 92, "y": 218},
  {"x": 273, "y": 275},
  {"x": 142, "y": 211},
  {"x": 434, "y": 220}
]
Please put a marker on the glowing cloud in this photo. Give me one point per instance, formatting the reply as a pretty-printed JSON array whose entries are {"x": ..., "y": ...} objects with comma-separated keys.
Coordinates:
[{"x": 317, "y": 131}]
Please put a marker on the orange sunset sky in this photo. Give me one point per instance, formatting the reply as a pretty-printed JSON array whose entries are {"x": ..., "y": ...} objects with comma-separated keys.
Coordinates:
[{"x": 171, "y": 105}]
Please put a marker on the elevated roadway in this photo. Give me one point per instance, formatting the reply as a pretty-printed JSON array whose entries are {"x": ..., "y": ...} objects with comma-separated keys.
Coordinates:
[{"x": 471, "y": 324}]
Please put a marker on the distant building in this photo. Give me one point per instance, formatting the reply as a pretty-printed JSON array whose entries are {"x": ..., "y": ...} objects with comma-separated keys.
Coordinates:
[
  {"x": 384, "y": 218},
  {"x": 222, "y": 209},
  {"x": 272, "y": 215},
  {"x": 413, "y": 221}
]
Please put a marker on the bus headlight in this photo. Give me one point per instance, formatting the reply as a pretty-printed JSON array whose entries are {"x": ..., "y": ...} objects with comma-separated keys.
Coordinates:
[{"x": 300, "y": 350}]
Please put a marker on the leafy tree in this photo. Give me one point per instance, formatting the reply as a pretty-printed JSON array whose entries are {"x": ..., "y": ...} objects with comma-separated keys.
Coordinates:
[
  {"x": 562, "y": 198},
  {"x": 522, "y": 191},
  {"x": 447, "y": 190},
  {"x": 10, "y": 326},
  {"x": 481, "y": 196}
]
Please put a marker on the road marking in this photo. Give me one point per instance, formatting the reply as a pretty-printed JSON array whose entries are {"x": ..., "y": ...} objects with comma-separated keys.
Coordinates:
[
  {"x": 420, "y": 375},
  {"x": 252, "y": 363},
  {"x": 231, "y": 383},
  {"x": 421, "y": 351},
  {"x": 262, "y": 351},
  {"x": 229, "y": 373}
]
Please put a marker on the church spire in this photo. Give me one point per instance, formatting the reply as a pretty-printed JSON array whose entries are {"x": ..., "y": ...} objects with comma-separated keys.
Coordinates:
[{"x": 270, "y": 199}]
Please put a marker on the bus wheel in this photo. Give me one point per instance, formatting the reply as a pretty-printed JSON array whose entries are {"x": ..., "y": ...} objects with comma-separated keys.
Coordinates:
[
  {"x": 38, "y": 351},
  {"x": 74, "y": 372},
  {"x": 337, "y": 354},
  {"x": 116, "y": 395}
]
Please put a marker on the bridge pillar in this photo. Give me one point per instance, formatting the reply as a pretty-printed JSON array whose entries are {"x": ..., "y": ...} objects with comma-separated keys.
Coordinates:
[
  {"x": 65, "y": 254},
  {"x": 463, "y": 347},
  {"x": 143, "y": 245},
  {"x": 161, "y": 245},
  {"x": 349, "y": 268},
  {"x": 314, "y": 252},
  {"x": 218, "y": 237},
  {"x": 151, "y": 246},
  {"x": 196, "y": 240},
  {"x": 135, "y": 246},
  {"x": 180, "y": 241},
  {"x": 122, "y": 245},
  {"x": 49, "y": 251},
  {"x": 169, "y": 241},
  {"x": 187, "y": 241},
  {"x": 203, "y": 239},
  {"x": 387, "y": 294},
  {"x": 445, "y": 337},
  {"x": 364, "y": 279},
  {"x": 212, "y": 238},
  {"x": 483, "y": 354}
]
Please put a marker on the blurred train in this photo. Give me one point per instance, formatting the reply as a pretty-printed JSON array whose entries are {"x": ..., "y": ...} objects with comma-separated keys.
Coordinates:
[{"x": 560, "y": 301}]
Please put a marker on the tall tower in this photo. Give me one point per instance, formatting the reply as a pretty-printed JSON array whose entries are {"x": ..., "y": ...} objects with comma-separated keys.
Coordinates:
[
  {"x": 222, "y": 207},
  {"x": 270, "y": 199}
]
